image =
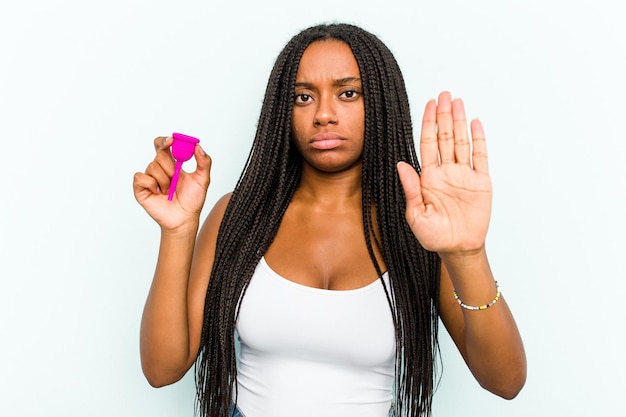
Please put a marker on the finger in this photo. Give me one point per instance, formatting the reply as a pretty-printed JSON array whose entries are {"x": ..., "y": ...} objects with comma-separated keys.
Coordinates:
[
  {"x": 164, "y": 156},
  {"x": 163, "y": 142},
  {"x": 161, "y": 176},
  {"x": 143, "y": 182},
  {"x": 162, "y": 146},
  {"x": 165, "y": 160},
  {"x": 445, "y": 128},
  {"x": 461, "y": 141},
  {"x": 479, "y": 144},
  {"x": 429, "y": 150},
  {"x": 410, "y": 184}
]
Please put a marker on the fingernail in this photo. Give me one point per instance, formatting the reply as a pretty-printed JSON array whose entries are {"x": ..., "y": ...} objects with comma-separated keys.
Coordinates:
[{"x": 202, "y": 151}]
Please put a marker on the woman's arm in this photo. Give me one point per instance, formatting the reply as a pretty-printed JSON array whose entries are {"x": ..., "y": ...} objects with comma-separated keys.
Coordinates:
[
  {"x": 172, "y": 318},
  {"x": 448, "y": 210}
]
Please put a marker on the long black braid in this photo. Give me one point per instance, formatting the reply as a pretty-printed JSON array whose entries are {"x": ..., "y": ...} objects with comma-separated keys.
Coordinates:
[{"x": 263, "y": 192}]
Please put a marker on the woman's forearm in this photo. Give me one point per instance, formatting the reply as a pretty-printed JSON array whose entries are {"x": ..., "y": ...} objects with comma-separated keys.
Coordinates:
[
  {"x": 489, "y": 341},
  {"x": 164, "y": 340}
]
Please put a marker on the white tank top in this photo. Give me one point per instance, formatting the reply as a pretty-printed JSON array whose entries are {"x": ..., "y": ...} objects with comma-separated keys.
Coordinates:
[{"x": 309, "y": 352}]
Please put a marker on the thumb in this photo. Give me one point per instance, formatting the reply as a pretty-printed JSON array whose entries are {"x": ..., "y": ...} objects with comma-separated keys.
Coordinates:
[
  {"x": 410, "y": 183},
  {"x": 203, "y": 164}
]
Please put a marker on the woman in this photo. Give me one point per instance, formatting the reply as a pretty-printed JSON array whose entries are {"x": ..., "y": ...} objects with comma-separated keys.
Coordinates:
[{"x": 332, "y": 258}]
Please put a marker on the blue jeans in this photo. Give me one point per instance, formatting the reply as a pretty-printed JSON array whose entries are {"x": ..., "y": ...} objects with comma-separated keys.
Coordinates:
[{"x": 234, "y": 411}]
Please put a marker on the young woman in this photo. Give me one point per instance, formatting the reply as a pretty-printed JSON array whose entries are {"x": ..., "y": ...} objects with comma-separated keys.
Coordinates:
[{"x": 335, "y": 255}]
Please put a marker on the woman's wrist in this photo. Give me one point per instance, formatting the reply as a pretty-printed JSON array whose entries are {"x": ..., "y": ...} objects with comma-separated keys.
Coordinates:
[
  {"x": 184, "y": 231},
  {"x": 464, "y": 259}
]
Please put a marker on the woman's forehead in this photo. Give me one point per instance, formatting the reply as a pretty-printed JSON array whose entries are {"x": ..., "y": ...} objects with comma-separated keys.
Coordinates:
[{"x": 327, "y": 59}]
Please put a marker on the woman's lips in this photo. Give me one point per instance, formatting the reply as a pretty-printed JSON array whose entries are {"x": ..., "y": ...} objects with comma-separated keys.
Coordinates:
[{"x": 326, "y": 141}]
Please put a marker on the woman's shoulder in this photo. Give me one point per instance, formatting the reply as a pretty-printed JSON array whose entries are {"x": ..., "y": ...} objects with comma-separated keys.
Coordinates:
[
  {"x": 218, "y": 210},
  {"x": 221, "y": 204},
  {"x": 211, "y": 225}
]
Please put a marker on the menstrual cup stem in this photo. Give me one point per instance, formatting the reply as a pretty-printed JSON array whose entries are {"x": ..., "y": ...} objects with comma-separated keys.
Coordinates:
[{"x": 179, "y": 165}]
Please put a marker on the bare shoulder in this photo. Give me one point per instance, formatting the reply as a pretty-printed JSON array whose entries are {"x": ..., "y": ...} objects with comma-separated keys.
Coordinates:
[
  {"x": 207, "y": 237},
  {"x": 214, "y": 219}
]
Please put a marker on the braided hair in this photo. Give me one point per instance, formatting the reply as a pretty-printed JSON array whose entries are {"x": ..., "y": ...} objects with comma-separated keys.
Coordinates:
[{"x": 265, "y": 189}]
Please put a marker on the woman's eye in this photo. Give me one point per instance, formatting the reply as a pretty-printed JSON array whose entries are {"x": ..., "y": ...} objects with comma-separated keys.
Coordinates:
[
  {"x": 302, "y": 98},
  {"x": 350, "y": 94}
]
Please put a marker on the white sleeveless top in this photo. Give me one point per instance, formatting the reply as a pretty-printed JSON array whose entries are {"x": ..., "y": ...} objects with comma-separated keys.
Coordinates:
[{"x": 309, "y": 352}]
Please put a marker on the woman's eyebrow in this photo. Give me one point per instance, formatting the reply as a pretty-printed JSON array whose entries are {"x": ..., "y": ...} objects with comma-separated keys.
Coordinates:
[
  {"x": 340, "y": 81},
  {"x": 347, "y": 80},
  {"x": 303, "y": 84}
]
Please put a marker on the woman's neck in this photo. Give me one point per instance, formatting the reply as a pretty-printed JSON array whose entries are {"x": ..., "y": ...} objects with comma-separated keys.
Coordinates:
[{"x": 330, "y": 191}]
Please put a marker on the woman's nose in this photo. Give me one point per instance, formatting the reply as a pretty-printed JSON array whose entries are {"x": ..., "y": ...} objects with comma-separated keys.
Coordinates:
[{"x": 326, "y": 112}]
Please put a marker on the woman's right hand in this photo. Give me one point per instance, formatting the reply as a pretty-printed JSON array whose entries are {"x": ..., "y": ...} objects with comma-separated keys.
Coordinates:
[{"x": 151, "y": 188}]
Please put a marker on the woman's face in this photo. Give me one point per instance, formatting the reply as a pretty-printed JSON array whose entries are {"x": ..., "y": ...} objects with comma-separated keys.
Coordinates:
[{"x": 328, "y": 119}]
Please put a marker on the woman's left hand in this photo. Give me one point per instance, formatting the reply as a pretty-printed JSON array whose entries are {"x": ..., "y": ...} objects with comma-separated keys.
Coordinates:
[{"x": 449, "y": 204}]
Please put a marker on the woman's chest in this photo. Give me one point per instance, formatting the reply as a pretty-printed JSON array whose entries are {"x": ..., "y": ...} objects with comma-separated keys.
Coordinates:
[{"x": 324, "y": 250}]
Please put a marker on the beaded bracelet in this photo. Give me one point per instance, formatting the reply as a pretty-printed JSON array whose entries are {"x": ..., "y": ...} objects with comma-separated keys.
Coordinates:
[{"x": 482, "y": 307}]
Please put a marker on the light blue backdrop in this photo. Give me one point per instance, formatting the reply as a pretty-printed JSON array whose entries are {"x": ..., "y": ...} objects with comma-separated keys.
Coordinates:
[{"x": 85, "y": 86}]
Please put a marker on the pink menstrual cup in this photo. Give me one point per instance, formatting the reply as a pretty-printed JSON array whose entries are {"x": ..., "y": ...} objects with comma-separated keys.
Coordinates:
[{"x": 182, "y": 150}]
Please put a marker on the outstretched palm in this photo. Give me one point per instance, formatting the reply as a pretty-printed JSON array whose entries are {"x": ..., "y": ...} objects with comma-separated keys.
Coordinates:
[{"x": 449, "y": 205}]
